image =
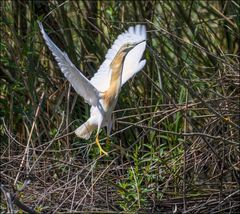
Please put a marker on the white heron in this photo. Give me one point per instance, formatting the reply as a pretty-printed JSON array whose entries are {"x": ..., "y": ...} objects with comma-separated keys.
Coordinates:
[{"x": 122, "y": 61}]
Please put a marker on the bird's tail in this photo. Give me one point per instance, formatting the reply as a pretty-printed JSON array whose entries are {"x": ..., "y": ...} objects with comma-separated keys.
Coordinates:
[{"x": 85, "y": 130}]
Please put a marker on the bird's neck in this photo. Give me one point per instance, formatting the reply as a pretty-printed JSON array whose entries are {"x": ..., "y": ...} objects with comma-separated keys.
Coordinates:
[
  {"x": 116, "y": 67},
  {"x": 111, "y": 94}
]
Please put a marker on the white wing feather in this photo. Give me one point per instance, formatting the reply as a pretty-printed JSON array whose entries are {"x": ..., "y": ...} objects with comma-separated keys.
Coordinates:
[
  {"x": 78, "y": 81},
  {"x": 132, "y": 64}
]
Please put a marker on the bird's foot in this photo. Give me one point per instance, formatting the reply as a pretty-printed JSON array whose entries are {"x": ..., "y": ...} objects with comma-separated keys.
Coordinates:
[
  {"x": 100, "y": 148},
  {"x": 103, "y": 152}
]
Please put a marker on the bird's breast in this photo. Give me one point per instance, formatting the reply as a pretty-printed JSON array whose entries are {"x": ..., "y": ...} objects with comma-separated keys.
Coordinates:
[{"x": 110, "y": 96}]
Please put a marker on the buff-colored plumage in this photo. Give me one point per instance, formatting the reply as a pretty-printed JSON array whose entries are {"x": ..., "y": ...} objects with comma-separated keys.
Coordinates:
[{"x": 122, "y": 61}]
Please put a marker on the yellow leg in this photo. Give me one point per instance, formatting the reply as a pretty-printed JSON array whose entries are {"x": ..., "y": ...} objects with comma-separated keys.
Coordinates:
[{"x": 100, "y": 148}]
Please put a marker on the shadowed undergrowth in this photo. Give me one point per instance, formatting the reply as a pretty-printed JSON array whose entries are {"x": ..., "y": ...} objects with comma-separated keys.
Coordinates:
[{"x": 175, "y": 141}]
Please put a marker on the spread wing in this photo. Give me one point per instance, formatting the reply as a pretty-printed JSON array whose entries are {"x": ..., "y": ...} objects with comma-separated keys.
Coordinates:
[
  {"x": 132, "y": 63},
  {"x": 78, "y": 81}
]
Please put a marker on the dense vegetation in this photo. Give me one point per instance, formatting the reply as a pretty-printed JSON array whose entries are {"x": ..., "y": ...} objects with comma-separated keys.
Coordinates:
[{"x": 175, "y": 143}]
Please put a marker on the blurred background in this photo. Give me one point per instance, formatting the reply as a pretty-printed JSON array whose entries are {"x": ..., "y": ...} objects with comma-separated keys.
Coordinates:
[{"x": 175, "y": 142}]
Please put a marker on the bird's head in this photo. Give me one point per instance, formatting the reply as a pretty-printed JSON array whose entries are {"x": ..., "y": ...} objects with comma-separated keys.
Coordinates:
[
  {"x": 128, "y": 47},
  {"x": 122, "y": 53}
]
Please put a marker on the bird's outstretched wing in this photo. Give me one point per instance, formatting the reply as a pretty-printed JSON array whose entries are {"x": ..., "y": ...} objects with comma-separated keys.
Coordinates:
[
  {"x": 78, "y": 81},
  {"x": 132, "y": 63}
]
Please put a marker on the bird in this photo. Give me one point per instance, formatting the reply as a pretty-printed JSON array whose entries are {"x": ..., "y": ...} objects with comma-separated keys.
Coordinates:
[{"x": 122, "y": 61}]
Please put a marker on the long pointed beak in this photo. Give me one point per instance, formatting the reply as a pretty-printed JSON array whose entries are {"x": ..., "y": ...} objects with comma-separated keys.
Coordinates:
[
  {"x": 136, "y": 44},
  {"x": 139, "y": 43}
]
